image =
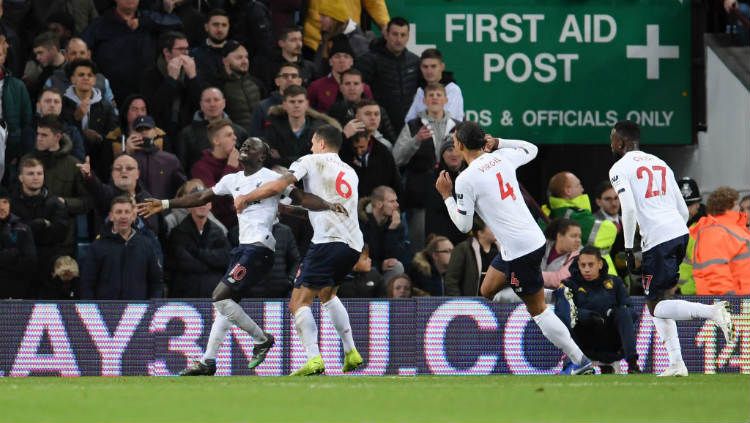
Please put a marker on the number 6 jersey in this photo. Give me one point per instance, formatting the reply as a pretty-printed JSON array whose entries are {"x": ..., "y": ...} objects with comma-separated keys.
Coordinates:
[
  {"x": 326, "y": 176},
  {"x": 648, "y": 193}
]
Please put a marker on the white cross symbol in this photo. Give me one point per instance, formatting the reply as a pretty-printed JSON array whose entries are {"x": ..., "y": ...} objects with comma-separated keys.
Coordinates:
[
  {"x": 412, "y": 45},
  {"x": 652, "y": 52}
]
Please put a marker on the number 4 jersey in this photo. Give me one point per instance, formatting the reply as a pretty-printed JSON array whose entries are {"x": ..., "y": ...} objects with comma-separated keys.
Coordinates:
[
  {"x": 648, "y": 191},
  {"x": 326, "y": 176}
]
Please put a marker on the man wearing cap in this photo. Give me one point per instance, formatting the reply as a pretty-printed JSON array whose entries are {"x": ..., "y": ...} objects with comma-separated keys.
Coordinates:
[
  {"x": 696, "y": 209},
  {"x": 172, "y": 87},
  {"x": 322, "y": 92},
  {"x": 17, "y": 252},
  {"x": 243, "y": 91},
  {"x": 161, "y": 172}
]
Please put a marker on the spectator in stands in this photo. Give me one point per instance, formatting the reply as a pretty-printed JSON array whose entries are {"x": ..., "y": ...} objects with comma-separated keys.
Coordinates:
[
  {"x": 433, "y": 70},
  {"x": 368, "y": 156},
  {"x": 172, "y": 86},
  {"x": 78, "y": 50},
  {"x": 745, "y": 204},
  {"x": 251, "y": 25},
  {"x": 61, "y": 175},
  {"x": 377, "y": 10},
  {"x": 131, "y": 108},
  {"x": 470, "y": 260},
  {"x": 194, "y": 138},
  {"x": 50, "y": 103},
  {"x": 222, "y": 159},
  {"x": 161, "y": 173},
  {"x": 384, "y": 233},
  {"x": 208, "y": 55},
  {"x": 696, "y": 210},
  {"x": 197, "y": 254},
  {"x": 391, "y": 70},
  {"x": 176, "y": 216},
  {"x": 598, "y": 313},
  {"x": 335, "y": 23},
  {"x": 243, "y": 91},
  {"x": 567, "y": 199},
  {"x": 437, "y": 220},
  {"x": 364, "y": 281},
  {"x": 123, "y": 41},
  {"x": 85, "y": 107},
  {"x": 16, "y": 105},
  {"x": 400, "y": 286},
  {"x": 11, "y": 44},
  {"x": 279, "y": 282},
  {"x": 609, "y": 209},
  {"x": 344, "y": 110},
  {"x": 65, "y": 278},
  {"x": 122, "y": 264},
  {"x": 73, "y": 16},
  {"x": 47, "y": 59},
  {"x": 291, "y": 127},
  {"x": 48, "y": 220},
  {"x": 429, "y": 265},
  {"x": 323, "y": 92},
  {"x": 417, "y": 151},
  {"x": 17, "y": 252},
  {"x": 721, "y": 261},
  {"x": 287, "y": 75},
  {"x": 290, "y": 51},
  {"x": 63, "y": 25}
]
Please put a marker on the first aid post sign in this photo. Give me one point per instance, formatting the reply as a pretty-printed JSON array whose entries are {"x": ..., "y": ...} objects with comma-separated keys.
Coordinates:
[{"x": 563, "y": 71}]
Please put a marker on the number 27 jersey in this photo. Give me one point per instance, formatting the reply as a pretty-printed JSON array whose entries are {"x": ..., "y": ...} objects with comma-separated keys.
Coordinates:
[{"x": 659, "y": 207}]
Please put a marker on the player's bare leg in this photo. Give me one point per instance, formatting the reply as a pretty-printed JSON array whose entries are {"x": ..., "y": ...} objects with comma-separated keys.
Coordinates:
[
  {"x": 493, "y": 282},
  {"x": 340, "y": 318}
]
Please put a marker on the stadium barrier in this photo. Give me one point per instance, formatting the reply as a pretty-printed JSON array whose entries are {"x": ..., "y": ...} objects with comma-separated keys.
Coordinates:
[{"x": 426, "y": 336}]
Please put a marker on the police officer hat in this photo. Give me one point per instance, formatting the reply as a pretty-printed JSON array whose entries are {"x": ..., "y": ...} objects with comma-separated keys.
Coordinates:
[{"x": 689, "y": 190}]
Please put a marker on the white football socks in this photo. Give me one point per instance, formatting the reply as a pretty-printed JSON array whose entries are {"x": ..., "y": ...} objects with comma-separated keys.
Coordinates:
[
  {"x": 683, "y": 310},
  {"x": 235, "y": 314},
  {"x": 667, "y": 330},
  {"x": 340, "y": 318},
  {"x": 218, "y": 332},
  {"x": 306, "y": 327},
  {"x": 555, "y": 330}
]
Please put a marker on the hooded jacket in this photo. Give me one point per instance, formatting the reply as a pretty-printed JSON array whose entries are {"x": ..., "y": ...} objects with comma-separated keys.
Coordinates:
[
  {"x": 280, "y": 137},
  {"x": 721, "y": 260}
]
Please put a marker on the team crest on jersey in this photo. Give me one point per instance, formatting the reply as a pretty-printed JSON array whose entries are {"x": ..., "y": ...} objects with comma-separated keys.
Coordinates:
[
  {"x": 608, "y": 284},
  {"x": 615, "y": 178}
]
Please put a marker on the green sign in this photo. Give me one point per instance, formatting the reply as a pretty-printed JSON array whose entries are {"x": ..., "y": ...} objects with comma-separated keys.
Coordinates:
[{"x": 563, "y": 71}]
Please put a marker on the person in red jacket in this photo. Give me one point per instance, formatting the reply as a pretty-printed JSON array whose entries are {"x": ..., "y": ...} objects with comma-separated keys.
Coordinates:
[{"x": 721, "y": 259}]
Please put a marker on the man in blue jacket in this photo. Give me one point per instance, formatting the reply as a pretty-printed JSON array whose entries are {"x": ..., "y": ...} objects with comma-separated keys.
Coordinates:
[{"x": 122, "y": 263}]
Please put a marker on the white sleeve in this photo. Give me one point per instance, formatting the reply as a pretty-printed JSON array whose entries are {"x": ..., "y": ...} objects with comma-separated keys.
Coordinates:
[
  {"x": 627, "y": 203},
  {"x": 222, "y": 187},
  {"x": 455, "y": 105},
  {"x": 519, "y": 152},
  {"x": 416, "y": 101},
  {"x": 299, "y": 168},
  {"x": 461, "y": 211}
]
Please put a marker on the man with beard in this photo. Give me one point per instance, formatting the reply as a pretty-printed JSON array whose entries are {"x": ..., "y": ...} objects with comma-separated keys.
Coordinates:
[
  {"x": 254, "y": 257},
  {"x": 208, "y": 56},
  {"x": 290, "y": 51},
  {"x": 243, "y": 91}
]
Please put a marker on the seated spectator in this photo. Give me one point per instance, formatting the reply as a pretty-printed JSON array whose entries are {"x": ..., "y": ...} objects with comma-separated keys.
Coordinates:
[
  {"x": 61, "y": 175},
  {"x": 50, "y": 103},
  {"x": 721, "y": 262},
  {"x": 279, "y": 282},
  {"x": 85, "y": 107},
  {"x": 417, "y": 151},
  {"x": 78, "y": 50},
  {"x": 291, "y": 127},
  {"x": 47, "y": 59},
  {"x": 400, "y": 286},
  {"x": 194, "y": 138},
  {"x": 17, "y": 252},
  {"x": 369, "y": 157},
  {"x": 597, "y": 309},
  {"x": 433, "y": 70},
  {"x": 243, "y": 91},
  {"x": 48, "y": 220},
  {"x": 364, "y": 281},
  {"x": 122, "y": 264},
  {"x": 287, "y": 74},
  {"x": 429, "y": 266},
  {"x": 470, "y": 260},
  {"x": 208, "y": 54},
  {"x": 567, "y": 199},
  {"x": 197, "y": 255},
  {"x": 16, "y": 106},
  {"x": 344, "y": 110},
  {"x": 172, "y": 86},
  {"x": 290, "y": 51},
  {"x": 437, "y": 220},
  {"x": 176, "y": 216},
  {"x": 161, "y": 173},
  {"x": 65, "y": 278},
  {"x": 322, "y": 92},
  {"x": 384, "y": 233},
  {"x": 220, "y": 160}
]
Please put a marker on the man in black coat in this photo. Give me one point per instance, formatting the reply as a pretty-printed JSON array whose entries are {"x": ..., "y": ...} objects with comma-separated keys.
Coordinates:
[
  {"x": 391, "y": 70},
  {"x": 384, "y": 233},
  {"x": 17, "y": 252},
  {"x": 122, "y": 263}
]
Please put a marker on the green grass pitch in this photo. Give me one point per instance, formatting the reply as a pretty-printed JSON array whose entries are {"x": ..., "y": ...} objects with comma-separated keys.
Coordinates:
[{"x": 610, "y": 398}]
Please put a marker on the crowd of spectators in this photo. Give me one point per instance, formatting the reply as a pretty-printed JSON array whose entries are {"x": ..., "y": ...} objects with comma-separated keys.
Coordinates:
[{"x": 104, "y": 105}]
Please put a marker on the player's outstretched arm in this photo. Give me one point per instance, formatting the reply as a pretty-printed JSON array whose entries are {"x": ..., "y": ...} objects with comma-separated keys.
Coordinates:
[
  {"x": 269, "y": 189},
  {"x": 153, "y": 206},
  {"x": 314, "y": 203}
]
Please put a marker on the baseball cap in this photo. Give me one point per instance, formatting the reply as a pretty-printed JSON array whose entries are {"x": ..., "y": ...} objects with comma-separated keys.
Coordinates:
[{"x": 144, "y": 122}]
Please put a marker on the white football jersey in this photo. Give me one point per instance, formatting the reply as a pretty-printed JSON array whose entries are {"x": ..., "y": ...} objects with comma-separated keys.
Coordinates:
[
  {"x": 256, "y": 220},
  {"x": 646, "y": 184},
  {"x": 326, "y": 176},
  {"x": 489, "y": 187}
]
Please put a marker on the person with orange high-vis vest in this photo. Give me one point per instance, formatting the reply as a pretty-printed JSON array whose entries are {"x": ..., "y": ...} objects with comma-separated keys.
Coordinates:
[{"x": 721, "y": 260}]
